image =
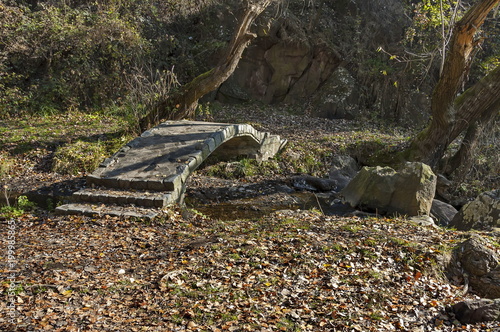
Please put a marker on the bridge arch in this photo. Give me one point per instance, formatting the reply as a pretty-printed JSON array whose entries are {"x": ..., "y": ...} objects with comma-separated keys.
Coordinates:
[{"x": 227, "y": 142}]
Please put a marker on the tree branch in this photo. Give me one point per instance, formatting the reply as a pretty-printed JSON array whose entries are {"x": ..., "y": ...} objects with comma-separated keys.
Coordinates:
[
  {"x": 456, "y": 62},
  {"x": 184, "y": 103}
]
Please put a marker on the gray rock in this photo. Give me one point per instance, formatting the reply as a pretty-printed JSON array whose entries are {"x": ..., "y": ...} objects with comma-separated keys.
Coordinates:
[
  {"x": 312, "y": 183},
  {"x": 409, "y": 191},
  {"x": 477, "y": 311},
  {"x": 443, "y": 212},
  {"x": 443, "y": 188},
  {"x": 423, "y": 221},
  {"x": 284, "y": 189},
  {"x": 341, "y": 209},
  {"x": 338, "y": 97},
  {"x": 343, "y": 169},
  {"x": 483, "y": 213},
  {"x": 475, "y": 264}
]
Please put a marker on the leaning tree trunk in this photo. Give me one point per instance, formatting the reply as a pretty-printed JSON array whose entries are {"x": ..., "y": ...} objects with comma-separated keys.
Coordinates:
[
  {"x": 481, "y": 100},
  {"x": 430, "y": 145},
  {"x": 183, "y": 103},
  {"x": 458, "y": 165},
  {"x": 477, "y": 106}
]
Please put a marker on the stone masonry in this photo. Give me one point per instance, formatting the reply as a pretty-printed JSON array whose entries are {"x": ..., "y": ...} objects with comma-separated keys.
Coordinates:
[{"x": 150, "y": 172}]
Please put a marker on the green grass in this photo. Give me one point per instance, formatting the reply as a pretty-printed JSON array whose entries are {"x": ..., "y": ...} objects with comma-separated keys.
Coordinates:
[
  {"x": 352, "y": 228},
  {"x": 6, "y": 163},
  {"x": 79, "y": 140},
  {"x": 48, "y": 130}
]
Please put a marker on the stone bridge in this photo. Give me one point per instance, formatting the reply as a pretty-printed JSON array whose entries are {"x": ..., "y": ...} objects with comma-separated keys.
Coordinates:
[{"x": 150, "y": 172}]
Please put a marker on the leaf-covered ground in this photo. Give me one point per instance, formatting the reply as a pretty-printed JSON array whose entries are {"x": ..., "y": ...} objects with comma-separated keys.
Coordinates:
[{"x": 291, "y": 270}]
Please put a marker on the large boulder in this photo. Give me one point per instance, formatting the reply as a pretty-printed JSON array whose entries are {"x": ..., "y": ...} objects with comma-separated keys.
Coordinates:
[
  {"x": 474, "y": 263},
  {"x": 483, "y": 213},
  {"x": 409, "y": 191},
  {"x": 338, "y": 98}
]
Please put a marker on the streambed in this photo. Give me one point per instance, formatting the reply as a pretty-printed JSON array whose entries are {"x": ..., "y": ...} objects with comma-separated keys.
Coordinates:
[{"x": 236, "y": 199}]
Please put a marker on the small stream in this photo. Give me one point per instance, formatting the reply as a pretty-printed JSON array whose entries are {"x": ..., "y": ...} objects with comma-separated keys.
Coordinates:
[{"x": 260, "y": 206}]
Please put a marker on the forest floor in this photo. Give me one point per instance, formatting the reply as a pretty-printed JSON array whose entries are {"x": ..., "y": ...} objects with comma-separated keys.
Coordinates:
[{"x": 287, "y": 270}]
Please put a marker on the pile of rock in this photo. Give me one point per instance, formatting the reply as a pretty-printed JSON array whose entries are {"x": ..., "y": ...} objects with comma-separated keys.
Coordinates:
[{"x": 411, "y": 191}]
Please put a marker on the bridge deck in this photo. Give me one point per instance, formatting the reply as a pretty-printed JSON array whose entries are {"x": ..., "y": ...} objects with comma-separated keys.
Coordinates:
[{"x": 158, "y": 152}]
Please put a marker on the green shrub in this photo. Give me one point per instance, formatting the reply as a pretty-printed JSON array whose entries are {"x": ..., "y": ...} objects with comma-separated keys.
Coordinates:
[
  {"x": 78, "y": 157},
  {"x": 61, "y": 58},
  {"x": 22, "y": 206}
]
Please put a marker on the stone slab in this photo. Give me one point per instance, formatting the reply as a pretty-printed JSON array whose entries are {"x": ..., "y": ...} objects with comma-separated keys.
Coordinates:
[
  {"x": 110, "y": 210},
  {"x": 122, "y": 197}
]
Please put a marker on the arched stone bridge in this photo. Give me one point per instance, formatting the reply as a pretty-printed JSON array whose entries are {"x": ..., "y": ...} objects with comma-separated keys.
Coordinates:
[{"x": 150, "y": 172}]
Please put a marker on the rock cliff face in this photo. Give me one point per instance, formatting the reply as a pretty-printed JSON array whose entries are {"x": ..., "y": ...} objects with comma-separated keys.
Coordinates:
[
  {"x": 283, "y": 64},
  {"x": 326, "y": 54}
]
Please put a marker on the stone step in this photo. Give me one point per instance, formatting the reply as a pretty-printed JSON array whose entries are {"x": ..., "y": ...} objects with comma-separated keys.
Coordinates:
[
  {"x": 101, "y": 210},
  {"x": 123, "y": 197},
  {"x": 168, "y": 183}
]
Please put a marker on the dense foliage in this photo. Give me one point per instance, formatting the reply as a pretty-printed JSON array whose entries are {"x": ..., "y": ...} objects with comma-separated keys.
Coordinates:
[
  {"x": 57, "y": 55},
  {"x": 430, "y": 32},
  {"x": 60, "y": 55}
]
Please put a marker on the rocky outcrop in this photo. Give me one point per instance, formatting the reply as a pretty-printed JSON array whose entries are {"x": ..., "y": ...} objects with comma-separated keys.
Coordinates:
[
  {"x": 338, "y": 98},
  {"x": 326, "y": 53},
  {"x": 443, "y": 212},
  {"x": 483, "y": 213},
  {"x": 474, "y": 264},
  {"x": 477, "y": 311},
  {"x": 343, "y": 169},
  {"x": 283, "y": 64},
  {"x": 409, "y": 191}
]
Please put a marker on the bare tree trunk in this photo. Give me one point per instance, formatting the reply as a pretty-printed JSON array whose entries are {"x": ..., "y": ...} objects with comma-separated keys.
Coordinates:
[
  {"x": 489, "y": 103},
  {"x": 480, "y": 101},
  {"x": 183, "y": 103},
  {"x": 461, "y": 162},
  {"x": 430, "y": 145}
]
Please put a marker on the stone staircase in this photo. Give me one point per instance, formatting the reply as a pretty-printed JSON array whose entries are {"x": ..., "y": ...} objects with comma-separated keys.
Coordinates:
[
  {"x": 121, "y": 197},
  {"x": 150, "y": 172}
]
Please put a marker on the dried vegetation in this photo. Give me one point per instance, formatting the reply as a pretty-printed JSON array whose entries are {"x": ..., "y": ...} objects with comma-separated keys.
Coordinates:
[{"x": 287, "y": 271}]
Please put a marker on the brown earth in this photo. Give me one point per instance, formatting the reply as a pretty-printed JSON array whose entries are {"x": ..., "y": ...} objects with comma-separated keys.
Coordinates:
[{"x": 290, "y": 270}]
